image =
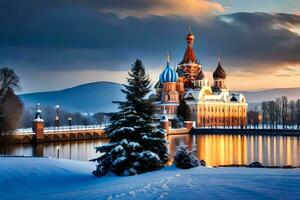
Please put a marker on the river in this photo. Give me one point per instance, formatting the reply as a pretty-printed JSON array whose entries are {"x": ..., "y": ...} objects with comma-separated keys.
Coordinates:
[{"x": 216, "y": 149}]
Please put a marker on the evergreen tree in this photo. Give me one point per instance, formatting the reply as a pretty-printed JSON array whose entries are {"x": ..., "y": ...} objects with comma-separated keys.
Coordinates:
[
  {"x": 184, "y": 110},
  {"x": 136, "y": 144}
]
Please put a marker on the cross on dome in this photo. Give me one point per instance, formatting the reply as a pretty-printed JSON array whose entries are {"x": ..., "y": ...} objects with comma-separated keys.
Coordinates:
[
  {"x": 190, "y": 30},
  {"x": 219, "y": 56},
  {"x": 168, "y": 56}
]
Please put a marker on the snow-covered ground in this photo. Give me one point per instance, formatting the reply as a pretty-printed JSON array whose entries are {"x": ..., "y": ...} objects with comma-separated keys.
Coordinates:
[{"x": 43, "y": 178}]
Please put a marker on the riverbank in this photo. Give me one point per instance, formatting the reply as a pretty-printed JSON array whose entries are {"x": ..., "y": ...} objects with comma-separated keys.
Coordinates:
[
  {"x": 44, "y": 178},
  {"x": 244, "y": 131}
]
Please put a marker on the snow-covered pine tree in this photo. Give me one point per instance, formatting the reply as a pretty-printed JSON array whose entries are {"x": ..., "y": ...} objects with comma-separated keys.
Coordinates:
[{"x": 136, "y": 144}]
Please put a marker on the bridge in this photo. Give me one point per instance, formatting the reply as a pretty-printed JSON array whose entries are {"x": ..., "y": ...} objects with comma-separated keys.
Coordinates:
[
  {"x": 54, "y": 134},
  {"x": 40, "y": 134}
]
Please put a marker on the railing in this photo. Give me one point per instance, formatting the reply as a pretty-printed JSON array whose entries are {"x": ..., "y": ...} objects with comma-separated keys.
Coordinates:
[
  {"x": 52, "y": 129},
  {"x": 279, "y": 127}
]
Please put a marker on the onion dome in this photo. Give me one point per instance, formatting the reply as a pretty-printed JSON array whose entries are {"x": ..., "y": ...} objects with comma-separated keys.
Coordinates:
[
  {"x": 168, "y": 75},
  {"x": 190, "y": 37},
  {"x": 200, "y": 75},
  {"x": 189, "y": 55},
  {"x": 219, "y": 72}
]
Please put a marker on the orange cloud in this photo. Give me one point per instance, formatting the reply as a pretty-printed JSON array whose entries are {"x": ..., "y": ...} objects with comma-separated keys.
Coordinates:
[{"x": 190, "y": 8}]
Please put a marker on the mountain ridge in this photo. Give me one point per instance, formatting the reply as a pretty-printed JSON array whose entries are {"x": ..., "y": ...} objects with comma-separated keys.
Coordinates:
[
  {"x": 85, "y": 98},
  {"x": 98, "y": 97},
  {"x": 271, "y": 94}
]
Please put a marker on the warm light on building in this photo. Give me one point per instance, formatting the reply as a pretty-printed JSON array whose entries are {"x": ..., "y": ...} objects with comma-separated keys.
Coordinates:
[{"x": 210, "y": 105}]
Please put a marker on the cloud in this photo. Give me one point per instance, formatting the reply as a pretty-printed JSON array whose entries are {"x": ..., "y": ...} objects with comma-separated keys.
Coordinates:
[
  {"x": 138, "y": 8},
  {"x": 67, "y": 35},
  {"x": 143, "y": 8}
]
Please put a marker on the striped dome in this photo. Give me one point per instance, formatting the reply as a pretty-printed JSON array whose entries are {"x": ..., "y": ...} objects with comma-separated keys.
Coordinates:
[{"x": 168, "y": 75}]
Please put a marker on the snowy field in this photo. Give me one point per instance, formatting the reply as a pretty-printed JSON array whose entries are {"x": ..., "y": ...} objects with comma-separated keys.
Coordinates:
[{"x": 43, "y": 178}]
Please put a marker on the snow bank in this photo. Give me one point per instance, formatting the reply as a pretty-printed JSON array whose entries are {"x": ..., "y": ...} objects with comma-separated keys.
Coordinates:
[{"x": 43, "y": 178}]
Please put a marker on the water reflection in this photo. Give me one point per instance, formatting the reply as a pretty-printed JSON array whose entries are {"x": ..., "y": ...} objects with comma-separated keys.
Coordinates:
[
  {"x": 214, "y": 149},
  {"x": 242, "y": 149},
  {"x": 74, "y": 150}
]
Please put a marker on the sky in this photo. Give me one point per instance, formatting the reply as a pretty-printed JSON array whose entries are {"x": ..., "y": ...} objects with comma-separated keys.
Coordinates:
[{"x": 56, "y": 44}]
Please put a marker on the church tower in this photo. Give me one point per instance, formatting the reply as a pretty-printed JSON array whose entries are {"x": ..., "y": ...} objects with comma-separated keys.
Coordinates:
[
  {"x": 189, "y": 66},
  {"x": 201, "y": 81},
  {"x": 38, "y": 124},
  {"x": 219, "y": 76},
  {"x": 169, "y": 94}
]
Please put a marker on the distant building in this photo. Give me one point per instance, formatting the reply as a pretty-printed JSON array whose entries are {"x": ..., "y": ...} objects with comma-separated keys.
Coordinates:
[{"x": 210, "y": 104}]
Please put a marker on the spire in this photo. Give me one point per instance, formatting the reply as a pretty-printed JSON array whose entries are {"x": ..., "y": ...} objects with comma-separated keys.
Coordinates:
[
  {"x": 168, "y": 57},
  {"x": 38, "y": 114},
  {"x": 190, "y": 29},
  {"x": 219, "y": 57},
  {"x": 189, "y": 55},
  {"x": 190, "y": 37},
  {"x": 219, "y": 72}
]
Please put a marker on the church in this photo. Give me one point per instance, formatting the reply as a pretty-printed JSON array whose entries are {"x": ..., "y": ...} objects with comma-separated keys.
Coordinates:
[{"x": 211, "y": 104}]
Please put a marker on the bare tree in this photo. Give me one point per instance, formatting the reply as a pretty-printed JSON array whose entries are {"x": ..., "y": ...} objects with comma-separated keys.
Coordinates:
[
  {"x": 278, "y": 111},
  {"x": 11, "y": 109},
  {"x": 27, "y": 117},
  {"x": 264, "y": 108},
  {"x": 292, "y": 113},
  {"x": 99, "y": 118},
  {"x": 9, "y": 81},
  {"x": 284, "y": 111},
  {"x": 298, "y": 113},
  {"x": 271, "y": 113},
  {"x": 10, "y": 105},
  {"x": 253, "y": 119}
]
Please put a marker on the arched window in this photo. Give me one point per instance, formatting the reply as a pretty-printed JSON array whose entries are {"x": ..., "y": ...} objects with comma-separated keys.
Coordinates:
[{"x": 167, "y": 97}]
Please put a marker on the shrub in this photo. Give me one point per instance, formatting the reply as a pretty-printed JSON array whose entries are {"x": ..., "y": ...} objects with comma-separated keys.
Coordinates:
[{"x": 184, "y": 158}]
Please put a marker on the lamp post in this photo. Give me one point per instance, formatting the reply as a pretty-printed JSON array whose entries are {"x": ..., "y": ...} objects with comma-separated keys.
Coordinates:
[
  {"x": 57, "y": 117},
  {"x": 70, "y": 122},
  {"x": 57, "y": 150}
]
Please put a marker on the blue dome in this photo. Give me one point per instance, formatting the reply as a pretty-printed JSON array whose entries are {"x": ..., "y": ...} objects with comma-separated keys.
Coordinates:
[{"x": 168, "y": 75}]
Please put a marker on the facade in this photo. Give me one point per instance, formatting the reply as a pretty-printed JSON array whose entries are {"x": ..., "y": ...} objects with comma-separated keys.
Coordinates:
[{"x": 210, "y": 104}]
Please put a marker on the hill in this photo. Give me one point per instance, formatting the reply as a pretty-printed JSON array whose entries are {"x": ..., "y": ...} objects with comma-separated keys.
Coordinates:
[
  {"x": 272, "y": 94},
  {"x": 86, "y": 98},
  {"x": 98, "y": 97}
]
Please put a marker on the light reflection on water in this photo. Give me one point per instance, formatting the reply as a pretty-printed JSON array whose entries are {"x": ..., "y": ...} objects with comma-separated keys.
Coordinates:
[
  {"x": 214, "y": 149},
  {"x": 242, "y": 149}
]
